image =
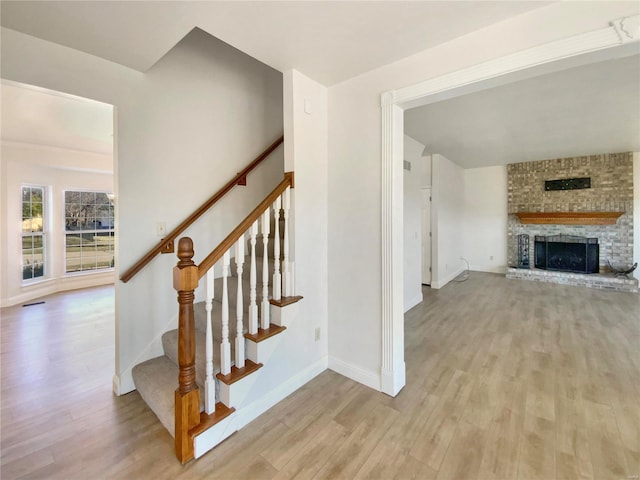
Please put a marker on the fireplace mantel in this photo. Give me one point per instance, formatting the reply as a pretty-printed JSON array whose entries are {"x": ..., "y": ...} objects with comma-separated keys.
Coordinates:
[{"x": 569, "y": 218}]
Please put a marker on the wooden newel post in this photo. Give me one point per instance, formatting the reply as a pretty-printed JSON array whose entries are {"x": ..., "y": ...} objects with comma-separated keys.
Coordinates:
[{"x": 187, "y": 395}]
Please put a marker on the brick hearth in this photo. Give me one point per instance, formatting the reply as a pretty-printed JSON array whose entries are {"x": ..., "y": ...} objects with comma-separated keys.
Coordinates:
[{"x": 611, "y": 191}]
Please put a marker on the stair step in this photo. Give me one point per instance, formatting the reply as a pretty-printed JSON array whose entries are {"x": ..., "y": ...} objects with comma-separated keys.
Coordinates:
[
  {"x": 284, "y": 301},
  {"x": 207, "y": 421},
  {"x": 232, "y": 294},
  {"x": 263, "y": 334},
  {"x": 239, "y": 373},
  {"x": 156, "y": 381}
]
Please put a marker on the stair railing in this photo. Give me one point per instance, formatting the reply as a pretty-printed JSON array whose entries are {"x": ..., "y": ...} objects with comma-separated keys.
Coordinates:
[
  {"x": 166, "y": 244},
  {"x": 186, "y": 276}
]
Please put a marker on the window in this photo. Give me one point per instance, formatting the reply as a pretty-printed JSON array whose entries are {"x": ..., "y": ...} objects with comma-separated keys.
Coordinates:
[
  {"x": 33, "y": 236},
  {"x": 89, "y": 234}
]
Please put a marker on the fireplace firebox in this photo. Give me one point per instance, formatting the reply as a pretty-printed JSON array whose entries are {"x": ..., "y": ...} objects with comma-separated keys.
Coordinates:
[{"x": 567, "y": 253}]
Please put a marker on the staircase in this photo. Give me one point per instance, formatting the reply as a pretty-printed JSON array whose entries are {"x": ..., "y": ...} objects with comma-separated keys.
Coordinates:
[{"x": 223, "y": 343}]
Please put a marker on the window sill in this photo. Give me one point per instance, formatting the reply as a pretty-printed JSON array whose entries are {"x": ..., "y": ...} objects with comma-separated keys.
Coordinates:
[
  {"x": 33, "y": 283},
  {"x": 89, "y": 272}
]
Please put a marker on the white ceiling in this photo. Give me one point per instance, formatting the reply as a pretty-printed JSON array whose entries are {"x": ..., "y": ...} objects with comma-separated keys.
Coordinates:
[
  {"x": 580, "y": 111},
  {"x": 41, "y": 117},
  {"x": 585, "y": 110},
  {"x": 327, "y": 41}
]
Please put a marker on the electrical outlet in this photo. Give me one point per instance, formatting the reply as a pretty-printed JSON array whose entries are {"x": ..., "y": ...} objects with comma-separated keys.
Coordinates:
[
  {"x": 161, "y": 229},
  {"x": 491, "y": 257},
  {"x": 317, "y": 334}
]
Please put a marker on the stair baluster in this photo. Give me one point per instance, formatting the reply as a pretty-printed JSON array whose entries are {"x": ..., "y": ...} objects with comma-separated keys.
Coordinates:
[
  {"x": 277, "y": 279},
  {"x": 253, "y": 306},
  {"x": 209, "y": 385},
  {"x": 264, "y": 312},
  {"x": 239, "y": 304},
  {"x": 193, "y": 428},
  {"x": 286, "y": 267},
  {"x": 225, "y": 346}
]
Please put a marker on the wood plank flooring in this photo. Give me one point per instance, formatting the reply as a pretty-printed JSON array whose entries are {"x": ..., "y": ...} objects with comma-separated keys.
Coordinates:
[{"x": 506, "y": 379}]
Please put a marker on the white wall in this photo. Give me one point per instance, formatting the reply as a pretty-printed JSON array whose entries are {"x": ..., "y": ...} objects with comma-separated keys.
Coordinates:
[
  {"x": 57, "y": 170},
  {"x": 426, "y": 173},
  {"x": 306, "y": 155},
  {"x": 355, "y": 194},
  {"x": 413, "y": 181},
  {"x": 184, "y": 128},
  {"x": 447, "y": 220},
  {"x": 485, "y": 218}
]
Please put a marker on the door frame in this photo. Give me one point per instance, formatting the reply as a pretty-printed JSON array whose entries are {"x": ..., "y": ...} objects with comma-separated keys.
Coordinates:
[
  {"x": 558, "y": 55},
  {"x": 422, "y": 191}
]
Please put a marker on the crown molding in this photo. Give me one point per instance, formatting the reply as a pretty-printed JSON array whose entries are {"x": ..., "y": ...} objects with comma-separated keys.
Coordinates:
[
  {"x": 627, "y": 28},
  {"x": 539, "y": 55},
  {"x": 51, "y": 148}
]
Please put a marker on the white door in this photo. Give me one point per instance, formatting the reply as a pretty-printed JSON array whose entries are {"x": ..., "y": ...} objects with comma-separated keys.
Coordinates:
[{"x": 426, "y": 236}]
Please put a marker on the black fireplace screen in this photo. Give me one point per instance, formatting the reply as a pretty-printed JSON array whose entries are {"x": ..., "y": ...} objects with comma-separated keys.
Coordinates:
[{"x": 566, "y": 253}]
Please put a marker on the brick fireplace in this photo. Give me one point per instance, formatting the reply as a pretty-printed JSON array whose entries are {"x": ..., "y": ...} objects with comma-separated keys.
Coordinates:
[{"x": 604, "y": 212}]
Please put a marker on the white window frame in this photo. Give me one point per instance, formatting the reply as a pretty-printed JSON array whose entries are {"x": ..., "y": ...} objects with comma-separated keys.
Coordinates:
[{"x": 32, "y": 234}]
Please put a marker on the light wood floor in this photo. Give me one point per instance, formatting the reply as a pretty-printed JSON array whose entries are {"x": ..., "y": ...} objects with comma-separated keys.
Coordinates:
[{"x": 506, "y": 379}]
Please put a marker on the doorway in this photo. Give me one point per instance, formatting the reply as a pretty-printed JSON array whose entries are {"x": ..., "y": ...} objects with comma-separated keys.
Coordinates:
[
  {"x": 558, "y": 55},
  {"x": 54, "y": 144}
]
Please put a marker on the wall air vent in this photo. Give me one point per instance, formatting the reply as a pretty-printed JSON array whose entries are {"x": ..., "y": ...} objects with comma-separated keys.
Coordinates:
[{"x": 407, "y": 165}]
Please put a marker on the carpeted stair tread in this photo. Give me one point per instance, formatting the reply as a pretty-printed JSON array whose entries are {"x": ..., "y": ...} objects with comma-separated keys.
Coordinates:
[
  {"x": 170, "y": 347},
  {"x": 246, "y": 270},
  {"x": 156, "y": 381},
  {"x": 232, "y": 288},
  {"x": 271, "y": 236},
  {"x": 200, "y": 317}
]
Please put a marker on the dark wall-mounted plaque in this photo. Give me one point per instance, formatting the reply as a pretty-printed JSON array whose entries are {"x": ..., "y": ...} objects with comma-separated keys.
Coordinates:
[{"x": 567, "y": 184}]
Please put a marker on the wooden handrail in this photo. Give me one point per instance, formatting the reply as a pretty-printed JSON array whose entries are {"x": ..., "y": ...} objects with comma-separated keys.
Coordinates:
[
  {"x": 233, "y": 237},
  {"x": 239, "y": 179}
]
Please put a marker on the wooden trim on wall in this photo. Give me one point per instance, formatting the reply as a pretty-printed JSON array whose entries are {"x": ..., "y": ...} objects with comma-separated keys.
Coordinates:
[{"x": 569, "y": 218}]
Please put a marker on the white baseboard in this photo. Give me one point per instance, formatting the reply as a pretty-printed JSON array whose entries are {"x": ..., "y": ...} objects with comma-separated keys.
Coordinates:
[
  {"x": 488, "y": 269},
  {"x": 393, "y": 381},
  {"x": 35, "y": 291},
  {"x": 413, "y": 302},
  {"x": 50, "y": 286},
  {"x": 358, "y": 374},
  {"x": 123, "y": 381},
  {"x": 441, "y": 283}
]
